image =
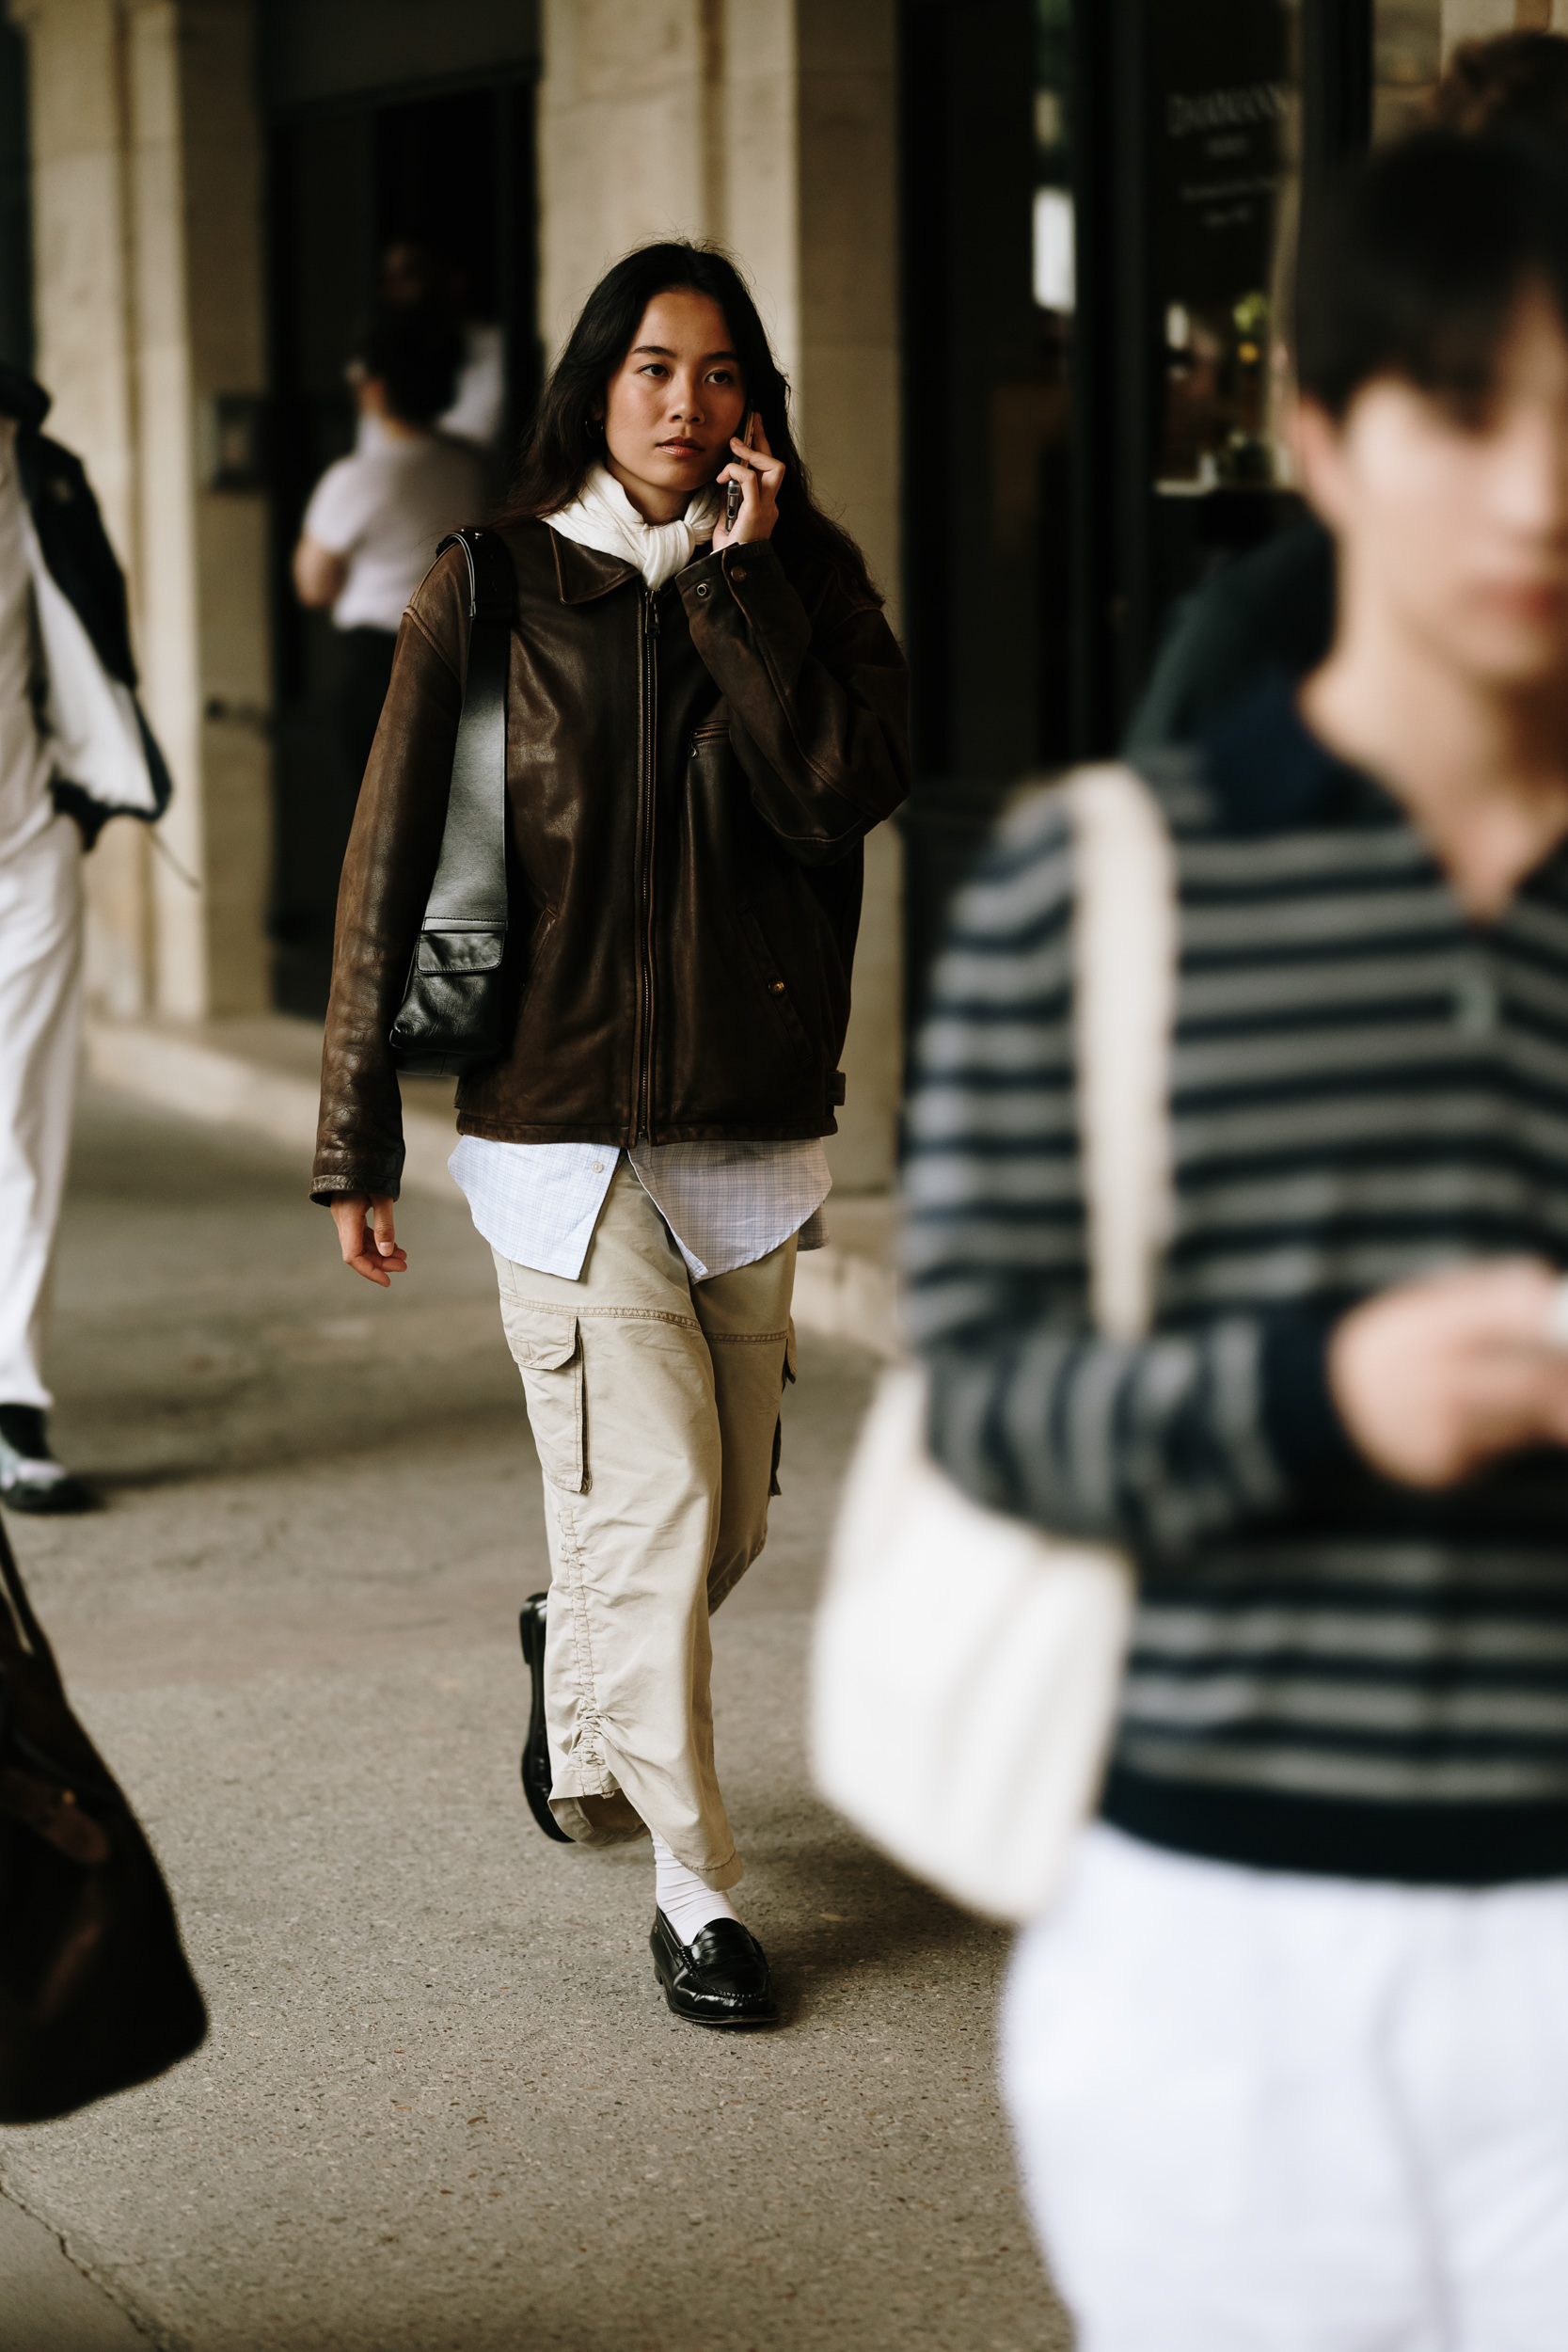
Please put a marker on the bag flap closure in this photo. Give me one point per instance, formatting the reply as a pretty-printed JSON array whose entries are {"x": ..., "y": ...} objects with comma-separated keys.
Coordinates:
[{"x": 459, "y": 950}]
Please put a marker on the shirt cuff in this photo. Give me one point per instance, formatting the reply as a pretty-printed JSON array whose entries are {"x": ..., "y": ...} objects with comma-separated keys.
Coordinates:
[{"x": 1300, "y": 1416}]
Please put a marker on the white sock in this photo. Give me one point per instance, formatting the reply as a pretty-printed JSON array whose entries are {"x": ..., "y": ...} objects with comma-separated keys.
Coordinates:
[{"x": 688, "y": 1904}]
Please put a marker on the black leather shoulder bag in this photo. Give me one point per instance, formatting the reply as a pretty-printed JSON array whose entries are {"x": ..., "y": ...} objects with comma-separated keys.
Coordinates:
[
  {"x": 96, "y": 1993},
  {"x": 455, "y": 1008}
]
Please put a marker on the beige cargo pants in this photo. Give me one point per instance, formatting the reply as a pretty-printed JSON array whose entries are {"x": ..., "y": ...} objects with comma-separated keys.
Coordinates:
[{"x": 653, "y": 1402}]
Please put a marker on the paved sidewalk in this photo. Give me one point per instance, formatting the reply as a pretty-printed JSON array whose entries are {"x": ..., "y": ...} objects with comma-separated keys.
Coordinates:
[
  {"x": 442, "y": 2104},
  {"x": 46, "y": 2304}
]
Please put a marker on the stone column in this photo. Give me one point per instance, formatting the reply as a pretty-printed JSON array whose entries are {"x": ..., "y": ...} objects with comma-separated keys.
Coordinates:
[
  {"x": 845, "y": 149},
  {"x": 623, "y": 109},
  {"x": 1479, "y": 20},
  {"x": 147, "y": 229},
  {"x": 195, "y": 168},
  {"x": 769, "y": 125}
]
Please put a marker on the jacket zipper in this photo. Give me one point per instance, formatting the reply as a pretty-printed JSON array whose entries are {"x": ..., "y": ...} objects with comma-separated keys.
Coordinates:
[{"x": 650, "y": 789}]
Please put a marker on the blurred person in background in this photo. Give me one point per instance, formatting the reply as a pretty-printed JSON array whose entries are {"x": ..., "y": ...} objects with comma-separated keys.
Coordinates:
[
  {"x": 415, "y": 271},
  {"x": 1288, "y": 2061},
  {"x": 376, "y": 516},
  {"x": 74, "y": 751},
  {"x": 1275, "y": 607},
  {"x": 705, "y": 720}
]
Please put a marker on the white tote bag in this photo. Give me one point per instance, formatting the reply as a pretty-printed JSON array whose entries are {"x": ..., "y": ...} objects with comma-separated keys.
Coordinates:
[{"x": 966, "y": 1666}]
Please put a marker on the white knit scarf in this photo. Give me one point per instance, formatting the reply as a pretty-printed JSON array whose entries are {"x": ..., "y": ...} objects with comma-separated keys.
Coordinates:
[{"x": 603, "y": 517}]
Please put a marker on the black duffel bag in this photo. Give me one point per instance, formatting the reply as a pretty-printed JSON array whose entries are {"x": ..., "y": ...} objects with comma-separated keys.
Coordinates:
[
  {"x": 96, "y": 1993},
  {"x": 456, "y": 1009}
]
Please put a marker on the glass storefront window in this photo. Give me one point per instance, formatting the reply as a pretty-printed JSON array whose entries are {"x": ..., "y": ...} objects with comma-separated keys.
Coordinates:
[
  {"x": 1055, "y": 229},
  {"x": 1100, "y": 207},
  {"x": 1225, "y": 132},
  {"x": 1222, "y": 162}
]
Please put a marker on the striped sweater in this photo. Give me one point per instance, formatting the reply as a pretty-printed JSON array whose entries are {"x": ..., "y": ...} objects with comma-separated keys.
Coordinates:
[{"x": 1328, "y": 1673}]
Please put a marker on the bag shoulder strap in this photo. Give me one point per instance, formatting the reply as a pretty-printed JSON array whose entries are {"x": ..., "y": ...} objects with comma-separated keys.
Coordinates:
[
  {"x": 469, "y": 890},
  {"x": 1125, "y": 948},
  {"x": 25, "y": 1625}
]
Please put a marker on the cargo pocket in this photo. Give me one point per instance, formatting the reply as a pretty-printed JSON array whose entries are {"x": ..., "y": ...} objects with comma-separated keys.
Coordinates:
[
  {"x": 787, "y": 1380},
  {"x": 547, "y": 1351}
]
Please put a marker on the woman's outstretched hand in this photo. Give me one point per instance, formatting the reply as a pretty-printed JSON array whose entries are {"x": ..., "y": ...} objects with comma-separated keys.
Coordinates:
[
  {"x": 760, "y": 475},
  {"x": 365, "y": 1235}
]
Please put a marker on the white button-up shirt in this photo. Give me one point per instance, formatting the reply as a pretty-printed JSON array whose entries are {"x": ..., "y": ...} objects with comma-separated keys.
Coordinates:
[{"x": 727, "y": 1205}]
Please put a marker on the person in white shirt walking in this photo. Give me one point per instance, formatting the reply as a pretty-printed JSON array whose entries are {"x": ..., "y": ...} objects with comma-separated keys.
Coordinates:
[
  {"x": 376, "y": 516},
  {"x": 705, "y": 718},
  {"x": 416, "y": 270},
  {"x": 74, "y": 751}
]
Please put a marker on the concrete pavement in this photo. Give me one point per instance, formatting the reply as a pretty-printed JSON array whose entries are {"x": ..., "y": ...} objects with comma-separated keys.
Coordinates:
[
  {"x": 443, "y": 2105},
  {"x": 46, "y": 2303}
]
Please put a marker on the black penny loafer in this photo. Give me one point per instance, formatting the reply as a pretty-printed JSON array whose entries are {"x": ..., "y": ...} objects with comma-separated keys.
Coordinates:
[
  {"x": 55, "y": 1495},
  {"x": 719, "y": 1979},
  {"x": 30, "y": 1478},
  {"x": 537, "y": 1747}
]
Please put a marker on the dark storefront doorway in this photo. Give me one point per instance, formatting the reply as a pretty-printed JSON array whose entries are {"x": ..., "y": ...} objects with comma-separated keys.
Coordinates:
[
  {"x": 1099, "y": 203},
  {"x": 450, "y": 169}
]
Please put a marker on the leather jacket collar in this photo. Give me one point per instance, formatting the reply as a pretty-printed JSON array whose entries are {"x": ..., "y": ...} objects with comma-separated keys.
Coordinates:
[{"x": 583, "y": 573}]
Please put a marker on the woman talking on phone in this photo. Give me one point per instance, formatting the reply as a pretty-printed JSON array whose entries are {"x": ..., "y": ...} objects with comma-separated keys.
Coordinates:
[{"x": 705, "y": 715}]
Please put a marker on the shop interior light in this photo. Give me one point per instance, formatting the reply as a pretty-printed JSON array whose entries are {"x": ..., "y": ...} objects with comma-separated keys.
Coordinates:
[{"x": 1053, "y": 249}]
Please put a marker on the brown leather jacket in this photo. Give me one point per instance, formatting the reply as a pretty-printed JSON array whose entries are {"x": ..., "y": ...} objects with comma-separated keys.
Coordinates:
[{"x": 689, "y": 778}]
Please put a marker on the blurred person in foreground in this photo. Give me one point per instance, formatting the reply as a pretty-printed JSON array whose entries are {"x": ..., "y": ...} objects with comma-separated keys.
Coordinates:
[
  {"x": 376, "y": 516},
  {"x": 74, "y": 751},
  {"x": 1288, "y": 2062},
  {"x": 706, "y": 717},
  {"x": 1276, "y": 605}
]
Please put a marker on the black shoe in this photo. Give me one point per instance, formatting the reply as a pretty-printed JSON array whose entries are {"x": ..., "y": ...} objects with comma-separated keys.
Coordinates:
[
  {"x": 719, "y": 1979},
  {"x": 536, "y": 1748},
  {"x": 30, "y": 1478}
]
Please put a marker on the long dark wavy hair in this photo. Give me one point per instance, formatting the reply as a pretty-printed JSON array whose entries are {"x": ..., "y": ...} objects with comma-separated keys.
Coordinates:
[{"x": 561, "y": 447}]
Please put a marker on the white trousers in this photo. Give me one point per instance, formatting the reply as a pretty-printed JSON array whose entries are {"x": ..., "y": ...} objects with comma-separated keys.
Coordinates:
[
  {"x": 40, "y": 1000},
  {"x": 1264, "y": 2113}
]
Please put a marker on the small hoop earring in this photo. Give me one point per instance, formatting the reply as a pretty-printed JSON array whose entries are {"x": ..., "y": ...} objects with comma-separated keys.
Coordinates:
[{"x": 594, "y": 424}]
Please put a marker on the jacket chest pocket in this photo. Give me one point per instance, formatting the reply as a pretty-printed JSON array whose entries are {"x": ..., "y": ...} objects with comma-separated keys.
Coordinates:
[{"x": 548, "y": 1350}]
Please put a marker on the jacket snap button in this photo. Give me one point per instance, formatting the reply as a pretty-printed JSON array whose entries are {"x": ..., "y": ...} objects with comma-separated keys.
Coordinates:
[
  {"x": 702, "y": 587},
  {"x": 777, "y": 987},
  {"x": 739, "y": 577}
]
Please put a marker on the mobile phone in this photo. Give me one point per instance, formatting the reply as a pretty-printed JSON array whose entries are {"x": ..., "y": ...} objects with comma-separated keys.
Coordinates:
[{"x": 732, "y": 489}]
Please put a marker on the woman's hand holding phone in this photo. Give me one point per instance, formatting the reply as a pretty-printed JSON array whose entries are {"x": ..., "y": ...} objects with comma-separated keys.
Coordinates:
[{"x": 759, "y": 476}]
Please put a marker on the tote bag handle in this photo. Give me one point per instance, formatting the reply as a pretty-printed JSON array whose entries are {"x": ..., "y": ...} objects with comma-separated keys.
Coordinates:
[{"x": 973, "y": 1755}]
